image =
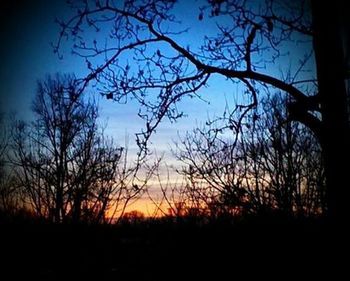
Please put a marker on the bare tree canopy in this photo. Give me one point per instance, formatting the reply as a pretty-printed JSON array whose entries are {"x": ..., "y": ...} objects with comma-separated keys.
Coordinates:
[
  {"x": 66, "y": 167},
  {"x": 275, "y": 165},
  {"x": 143, "y": 60},
  {"x": 142, "y": 56}
]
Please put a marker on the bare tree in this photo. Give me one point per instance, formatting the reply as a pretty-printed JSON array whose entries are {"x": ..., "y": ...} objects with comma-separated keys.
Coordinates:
[
  {"x": 179, "y": 201},
  {"x": 287, "y": 158},
  {"x": 252, "y": 37},
  {"x": 275, "y": 165},
  {"x": 8, "y": 191},
  {"x": 68, "y": 168}
]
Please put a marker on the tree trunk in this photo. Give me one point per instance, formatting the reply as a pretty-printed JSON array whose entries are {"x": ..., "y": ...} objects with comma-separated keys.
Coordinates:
[{"x": 333, "y": 100}]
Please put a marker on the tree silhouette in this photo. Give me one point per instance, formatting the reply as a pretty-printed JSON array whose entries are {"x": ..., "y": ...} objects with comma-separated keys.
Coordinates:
[
  {"x": 251, "y": 37},
  {"x": 66, "y": 167},
  {"x": 8, "y": 192},
  {"x": 275, "y": 165}
]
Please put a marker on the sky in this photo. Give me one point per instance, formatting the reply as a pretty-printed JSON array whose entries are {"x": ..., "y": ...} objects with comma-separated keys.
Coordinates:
[{"x": 27, "y": 28}]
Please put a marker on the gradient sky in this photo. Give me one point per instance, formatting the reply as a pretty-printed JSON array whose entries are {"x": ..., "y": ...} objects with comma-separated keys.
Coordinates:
[{"x": 27, "y": 28}]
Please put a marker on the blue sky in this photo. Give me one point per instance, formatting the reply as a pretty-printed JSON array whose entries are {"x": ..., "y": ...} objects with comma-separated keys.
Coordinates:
[{"x": 28, "y": 28}]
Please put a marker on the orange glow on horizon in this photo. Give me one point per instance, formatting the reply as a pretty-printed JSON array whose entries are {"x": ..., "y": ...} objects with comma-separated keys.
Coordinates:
[{"x": 142, "y": 205}]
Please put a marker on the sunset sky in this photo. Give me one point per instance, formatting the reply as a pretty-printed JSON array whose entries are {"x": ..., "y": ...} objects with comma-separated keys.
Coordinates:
[
  {"x": 27, "y": 30},
  {"x": 28, "y": 27},
  {"x": 141, "y": 139}
]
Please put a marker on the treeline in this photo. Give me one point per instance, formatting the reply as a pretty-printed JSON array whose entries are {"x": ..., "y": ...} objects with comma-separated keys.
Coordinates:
[
  {"x": 62, "y": 166},
  {"x": 253, "y": 162}
]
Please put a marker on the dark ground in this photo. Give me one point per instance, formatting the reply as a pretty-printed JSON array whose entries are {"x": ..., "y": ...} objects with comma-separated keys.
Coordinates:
[{"x": 250, "y": 248}]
